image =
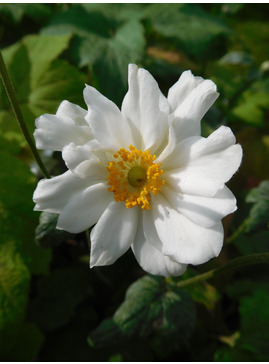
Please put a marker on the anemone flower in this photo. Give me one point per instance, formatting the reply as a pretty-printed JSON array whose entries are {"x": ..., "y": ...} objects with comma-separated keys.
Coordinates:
[{"x": 143, "y": 175}]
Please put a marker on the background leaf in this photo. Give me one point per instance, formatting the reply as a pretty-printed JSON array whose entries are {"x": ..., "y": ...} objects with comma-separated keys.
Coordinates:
[
  {"x": 252, "y": 344},
  {"x": 46, "y": 233},
  {"x": 14, "y": 286},
  {"x": 36, "y": 11},
  {"x": 106, "y": 43},
  {"x": 259, "y": 213},
  {"x": 198, "y": 33},
  {"x": 253, "y": 104},
  {"x": 33, "y": 73},
  {"x": 19, "y": 256},
  {"x": 151, "y": 309}
]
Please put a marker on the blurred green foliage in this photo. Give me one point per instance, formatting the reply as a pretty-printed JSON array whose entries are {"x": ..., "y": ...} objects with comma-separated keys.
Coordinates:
[{"x": 52, "y": 306}]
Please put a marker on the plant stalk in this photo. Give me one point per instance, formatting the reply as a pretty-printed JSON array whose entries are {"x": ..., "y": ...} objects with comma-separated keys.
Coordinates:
[
  {"x": 18, "y": 114},
  {"x": 233, "y": 264}
]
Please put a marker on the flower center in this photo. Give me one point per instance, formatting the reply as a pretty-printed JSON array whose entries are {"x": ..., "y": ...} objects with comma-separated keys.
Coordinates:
[
  {"x": 133, "y": 176},
  {"x": 137, "y": 176}
]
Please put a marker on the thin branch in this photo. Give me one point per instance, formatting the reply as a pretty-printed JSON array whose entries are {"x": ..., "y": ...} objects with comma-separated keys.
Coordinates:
[
  {"x": 18, "y": 114},
  {"x": 233, "y": 264}
]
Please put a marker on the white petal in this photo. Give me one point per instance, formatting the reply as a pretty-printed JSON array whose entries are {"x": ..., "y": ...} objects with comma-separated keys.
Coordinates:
[
  {"x": 146, "y": 109},
  {"x": 113, "y": 234},
  {"x": 54, "y": 132},
  {"x": 106, "y": 121},
  {"x": 194, "y": 147},
  {"x": 82, "y": 161},
  {"x": 152, "y": 260},
  {"x": 204, "y": 211},
  {"x": 170, "y": 145},
  {"x": 183, "y": 240},
  {"x": 84, "y": 208},
  {"x": 182, "y": 88},
  {"x": 187, "y": 116},
  {"x": 201, "y": 166},
  {"x": 53, "y": 194},
  {"x": 72, "y": 111},
  {"x": 150, "y": 232}
]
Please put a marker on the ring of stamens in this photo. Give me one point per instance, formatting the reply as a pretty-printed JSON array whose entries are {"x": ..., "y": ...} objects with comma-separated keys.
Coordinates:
[{"x": 133, "y": 175}]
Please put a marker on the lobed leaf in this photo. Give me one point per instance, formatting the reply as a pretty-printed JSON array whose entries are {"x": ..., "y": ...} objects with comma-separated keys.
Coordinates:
[
  {"x": 151, "y": 309},
  {"x": 198, "y": 33},
  {"x": 106, "y": 43},
  {"x": 253, "y": 105},
  {"x": 40, "y": 80},
  {"x": 259, "y": 213}
]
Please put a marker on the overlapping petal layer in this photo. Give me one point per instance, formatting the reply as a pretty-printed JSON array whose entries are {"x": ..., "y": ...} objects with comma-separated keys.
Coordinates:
[
  {"x": 121, "y": 223},
  {"x": 203, "y": 211},
  {"x": 67, "y": 126},
  {"x": 152, "y": 259},
  {"x": 182, "y": 222},
  {"x": 182, "y": 240},
  {"x": 189, "y": 99},
  {"x": 201, "y": 166},
  {"x": 106, "y": 121},
  {"x": 146, "y": 109}
]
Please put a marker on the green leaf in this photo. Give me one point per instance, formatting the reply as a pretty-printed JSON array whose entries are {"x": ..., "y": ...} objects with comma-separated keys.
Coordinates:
[
  {"x": 252, "y": 344},
  {"x": 17, "y": 218},
  {"x": 254, "y": 313},
  {"x": 205, "y": 294},
  {"x": 253, "y": 105},
  {"x": 60, "y": 81},
  {"x": 106, "y": 334},
  {"x": 106, "y": 43},
  {"x": 259, "y": 213},
  {"x": 40, "y": 80},
  {"x": 117, "y": 12},
  {"x": 46, "y": 233},
  {"x": 34, "y": 53},
  {"x": 251, "y": 244},
  {"x": 125, "y": 47},
  {"x": 17, "y": 11},
  {"x": 199, "y": 34},
  {"x": 28, "y": 344},
  {"x": 14, "y": 286},
  {"x": 19, "y": 255},
  {"x": 245, "y": 287},
  {"x": 152, "y": 308},
  {"x": 248, "y": 32}
]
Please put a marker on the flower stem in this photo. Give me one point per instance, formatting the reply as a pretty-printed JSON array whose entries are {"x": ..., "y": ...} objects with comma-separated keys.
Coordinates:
[
  {"x": 18, "y": 114},
  {"x": 238, "y": 232},
  {"x": 233, "y": 264}
]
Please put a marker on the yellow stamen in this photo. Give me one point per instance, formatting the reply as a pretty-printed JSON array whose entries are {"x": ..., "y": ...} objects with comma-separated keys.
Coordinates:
[{"x": 133, "y": 175}]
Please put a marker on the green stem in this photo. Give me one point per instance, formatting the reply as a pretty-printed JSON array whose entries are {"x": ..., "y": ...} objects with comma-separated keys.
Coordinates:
[
  {"x": 238, "y": 231},
  {"x": 233, "y": 264},
  {"x": 17, "y": 111}
]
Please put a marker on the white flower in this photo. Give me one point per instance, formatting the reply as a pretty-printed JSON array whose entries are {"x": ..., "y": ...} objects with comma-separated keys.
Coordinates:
[{"x": 143, "y": 175}]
